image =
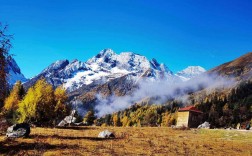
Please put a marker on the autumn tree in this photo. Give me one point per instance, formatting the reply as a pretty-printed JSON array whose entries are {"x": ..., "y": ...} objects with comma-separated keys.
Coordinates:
[
  {"x": 169, "y": 119},
  {"x": 27, "y": 106},
  {"x": 16, "y": 94},
  {"x": 5, "y": 45},
  {"x": 89, "y": 117},
  {"x": 11, "y": 102},
  {"x": 38, "y": 106},
  {"x": 126, "y": 121},
  {"x": 150, "y": 117},
  {"x": 116, "y": 120},
  {"x": 61, "y": 109}
]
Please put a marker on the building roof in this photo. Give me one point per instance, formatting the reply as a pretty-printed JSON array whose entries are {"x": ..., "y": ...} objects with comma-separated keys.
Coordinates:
[{"x": 190, "y": 108}]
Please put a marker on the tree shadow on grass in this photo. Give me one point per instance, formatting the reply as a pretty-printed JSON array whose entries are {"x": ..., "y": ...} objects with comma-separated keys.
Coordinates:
[
  {"x": 71, "y": 137},
  {"x": 12, "y": 147},
  {"x": 76, "y": 128}
]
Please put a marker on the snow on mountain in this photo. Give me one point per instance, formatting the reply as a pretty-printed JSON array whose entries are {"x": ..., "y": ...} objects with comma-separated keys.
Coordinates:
[
  {"x": 58, "y": 65},
  {"x": 108, "y": 65},
  {"x": 13, "y": 72},
  {"x": 128, "y": 61},
  {"x": 101, "y": 68},
  {"x": 190, "y": 72}
]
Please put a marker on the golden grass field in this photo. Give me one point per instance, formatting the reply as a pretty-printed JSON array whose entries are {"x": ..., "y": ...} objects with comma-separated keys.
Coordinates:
[{"x": 129, "y": 141}]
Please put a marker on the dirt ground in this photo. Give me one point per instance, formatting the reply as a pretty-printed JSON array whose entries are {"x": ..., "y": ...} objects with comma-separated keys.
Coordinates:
[{"x": 129, "y": 141}]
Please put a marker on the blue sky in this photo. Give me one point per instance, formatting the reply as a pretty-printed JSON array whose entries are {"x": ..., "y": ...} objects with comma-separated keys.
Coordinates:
[{"x": 178, "y": 33}]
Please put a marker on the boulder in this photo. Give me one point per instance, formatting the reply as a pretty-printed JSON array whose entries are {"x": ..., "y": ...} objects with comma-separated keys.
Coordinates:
[
  {"x": 204, "y": 125},
  {"x": 248, "y": 126},
  {"x": 18, "y": 130},
  {"x": 106, "y": 134},
  {"x": 68, "y": 120}
]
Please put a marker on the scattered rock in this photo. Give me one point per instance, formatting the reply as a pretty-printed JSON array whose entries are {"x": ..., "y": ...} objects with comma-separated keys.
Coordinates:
[
  {"x": 248, "y": 126},
  {"x": 106, "y": 134},
  {"x": 68, "y": 120},
  {"x": 18, "y": 130},
  {"x": 238, "y": 126},
  {"x": 204, "y": 125}
]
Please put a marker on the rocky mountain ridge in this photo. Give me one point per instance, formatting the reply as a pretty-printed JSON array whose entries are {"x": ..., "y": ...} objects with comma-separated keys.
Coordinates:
[
  {"x": 102, "y": 68},
  {"x": 14, "y": 73}
]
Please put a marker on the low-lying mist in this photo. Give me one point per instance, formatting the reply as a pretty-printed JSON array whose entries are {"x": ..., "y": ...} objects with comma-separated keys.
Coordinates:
[{"x": 163, "y": 89}]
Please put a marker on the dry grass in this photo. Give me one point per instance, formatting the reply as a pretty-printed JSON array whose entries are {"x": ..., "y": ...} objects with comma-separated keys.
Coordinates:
[{"x": 129, "y": 141}]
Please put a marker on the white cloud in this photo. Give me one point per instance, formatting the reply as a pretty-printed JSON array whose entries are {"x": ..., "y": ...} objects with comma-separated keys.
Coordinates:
[{"x": 162, "y": 89}]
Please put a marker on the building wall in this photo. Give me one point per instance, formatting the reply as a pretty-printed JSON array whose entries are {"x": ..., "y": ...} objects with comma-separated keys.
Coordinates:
[
  {"x": 194, "y": 119},
  {"x": 183, "y": 118}
]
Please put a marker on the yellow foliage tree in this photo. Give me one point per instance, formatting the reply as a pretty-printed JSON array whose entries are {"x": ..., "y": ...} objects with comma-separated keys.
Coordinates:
[
  {"x": 27, "y": 106},
  {"x": 38, "y": 105},
  {"x": 61, "y": 108},
  {"x": 169, "y": 119},
  {"x": 125, "y": 121},
  {"x": 116, "y": 120},
  {"x": 11, "y": 102}
]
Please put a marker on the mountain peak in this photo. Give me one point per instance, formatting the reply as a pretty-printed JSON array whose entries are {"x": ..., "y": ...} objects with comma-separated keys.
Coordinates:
[
  {"x": 194, "y": 69},
  {"x": 190, "y": 72},
  {"x": 105, "y": 52},
  {"x": 14, "y": 72},
  {"x": 12, "y": 63},
  {"x": 75, "y": 60},
  {"x": 103, "y": 67},
  {"x": 154, "y": 63},
  {"x": 59, "y": 64}
]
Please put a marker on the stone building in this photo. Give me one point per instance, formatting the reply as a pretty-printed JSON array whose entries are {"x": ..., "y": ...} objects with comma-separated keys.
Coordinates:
[{"x": 189, "y": 117}]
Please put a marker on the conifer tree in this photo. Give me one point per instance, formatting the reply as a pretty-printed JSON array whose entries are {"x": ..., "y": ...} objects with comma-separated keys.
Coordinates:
[
  {"x": 89, "y": 117},
  {"x": 5, "y": 45}
]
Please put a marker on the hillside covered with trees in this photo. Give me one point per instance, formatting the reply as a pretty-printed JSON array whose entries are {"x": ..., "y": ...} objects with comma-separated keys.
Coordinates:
[{"x": 221, "y": 108}]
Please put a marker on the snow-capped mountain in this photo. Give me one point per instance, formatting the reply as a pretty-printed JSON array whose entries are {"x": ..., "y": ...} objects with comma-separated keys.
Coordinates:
[
  {"x": 105, "y": 75},
  {"x": 13, "y": 72},
  {"x": 101, "y": 68},
  {"x": 190, "y": 72}
]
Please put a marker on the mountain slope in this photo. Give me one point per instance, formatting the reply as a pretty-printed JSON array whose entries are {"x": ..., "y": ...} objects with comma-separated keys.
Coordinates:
[
  {"x": 240, "y": 68},
  {"x": 13, "y": 72}
]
